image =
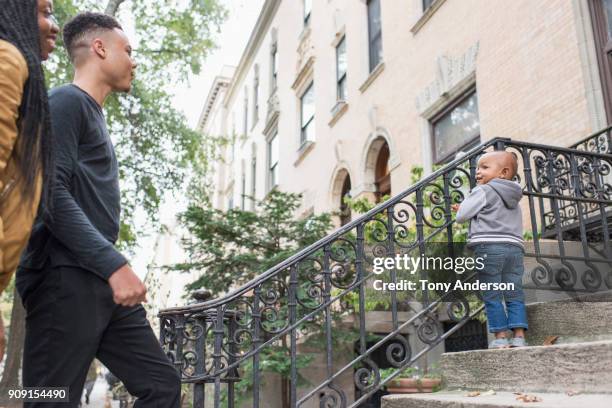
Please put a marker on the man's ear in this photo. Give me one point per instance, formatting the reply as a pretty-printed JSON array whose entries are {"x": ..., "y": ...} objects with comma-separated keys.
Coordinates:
[{"x": 99, "y": 48}]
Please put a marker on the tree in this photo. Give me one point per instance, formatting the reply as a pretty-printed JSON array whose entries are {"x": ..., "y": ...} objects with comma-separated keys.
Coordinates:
[
  {"x": 230, "y": 248},
  {"x": 155, "y": 146},
  {"x": 16, "y": 334}
]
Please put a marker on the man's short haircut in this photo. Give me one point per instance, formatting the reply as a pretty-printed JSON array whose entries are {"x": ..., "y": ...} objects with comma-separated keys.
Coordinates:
[{"x": 77, "y": 29}]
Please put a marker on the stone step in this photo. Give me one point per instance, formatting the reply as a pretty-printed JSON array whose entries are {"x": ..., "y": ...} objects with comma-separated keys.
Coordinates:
[
  {"x": 458, "y": 399},
  {"x": 572, "y": 320},
  {"x": 583, "y": 367},
  {"x": 534, "y": 294}
]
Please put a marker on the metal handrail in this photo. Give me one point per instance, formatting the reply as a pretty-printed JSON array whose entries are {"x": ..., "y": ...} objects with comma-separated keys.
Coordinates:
[
  {"x": 349, "y": 226},
  {"x": 329, "y": 238},
  {"x": 594, "y": 136},
  {"x": 555, "y": 179}
]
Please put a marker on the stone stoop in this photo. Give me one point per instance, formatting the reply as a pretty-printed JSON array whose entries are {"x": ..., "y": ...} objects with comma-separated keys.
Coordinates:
[
  {"x": 458, "y": 399},
  {"x": 579, "y": 361},
  {"x": 549, "y": 372},
  {"x": 583, "y": 367},
  {"x": 581, "y": 320}
]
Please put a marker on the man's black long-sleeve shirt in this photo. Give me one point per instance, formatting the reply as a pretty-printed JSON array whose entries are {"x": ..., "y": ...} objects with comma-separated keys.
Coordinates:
[{"x": 86, "y": 200}]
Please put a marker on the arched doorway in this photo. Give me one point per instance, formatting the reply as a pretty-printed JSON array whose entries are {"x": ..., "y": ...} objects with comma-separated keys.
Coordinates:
[
  {"x": 382, "y": 175},
  {"x": 340, "y": 189},
  {"x": 378, "y": 158},
  {"x": 345, "y": 210}
]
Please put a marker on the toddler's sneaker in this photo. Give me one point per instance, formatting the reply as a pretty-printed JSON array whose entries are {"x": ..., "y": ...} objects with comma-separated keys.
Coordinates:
[
  {"x": 499, "y": 343},
  {"x": 518, "y": 342}
]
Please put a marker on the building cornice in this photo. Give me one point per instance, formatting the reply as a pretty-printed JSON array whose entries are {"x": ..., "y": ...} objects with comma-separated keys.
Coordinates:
[{"x": 219, "y": 83}]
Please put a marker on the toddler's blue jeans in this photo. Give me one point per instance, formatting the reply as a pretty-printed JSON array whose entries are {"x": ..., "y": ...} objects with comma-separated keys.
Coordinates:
[{"x": 503, "y": 262}]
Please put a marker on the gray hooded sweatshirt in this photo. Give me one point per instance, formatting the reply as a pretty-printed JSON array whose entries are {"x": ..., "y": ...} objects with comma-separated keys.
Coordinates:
[{"x": 494, "y": 213}]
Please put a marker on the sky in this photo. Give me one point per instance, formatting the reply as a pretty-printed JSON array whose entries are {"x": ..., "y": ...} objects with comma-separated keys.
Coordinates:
[
  {"x": 231, "y": 41},
  {"x": 190, "y": 99}
]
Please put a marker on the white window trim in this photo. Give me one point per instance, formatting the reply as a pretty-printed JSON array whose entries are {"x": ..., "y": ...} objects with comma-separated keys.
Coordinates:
[
  {"x": 311, "y": 121},
  {"x": 434, "y": 109}
]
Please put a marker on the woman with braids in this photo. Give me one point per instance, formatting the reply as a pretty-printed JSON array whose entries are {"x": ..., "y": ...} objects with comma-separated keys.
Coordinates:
[{"x": 27, "y": 36}]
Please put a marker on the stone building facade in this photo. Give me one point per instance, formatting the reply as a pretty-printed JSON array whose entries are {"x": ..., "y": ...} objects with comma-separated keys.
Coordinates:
[{"x": 335, "y": 97}]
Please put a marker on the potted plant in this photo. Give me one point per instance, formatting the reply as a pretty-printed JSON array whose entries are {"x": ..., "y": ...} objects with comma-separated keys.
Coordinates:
[{"x": 411, "y": 380}]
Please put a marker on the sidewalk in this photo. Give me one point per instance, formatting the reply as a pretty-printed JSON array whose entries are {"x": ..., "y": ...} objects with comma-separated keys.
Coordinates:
[{"x": 98, "y": 398}]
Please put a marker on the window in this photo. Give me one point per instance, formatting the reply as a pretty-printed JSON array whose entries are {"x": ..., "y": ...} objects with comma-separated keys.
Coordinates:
[
  {"x": 307, "y": 11},
  {"x": 374, "y": 33},
  {"x": 246, "y": 111},
  {"x": 243, "y": 188},
  {"x": 601, "y": 15},
  {"x": 456, "y": 128},
  {"x": 233, "y": 136},
  {"x": 273, "y": 161},
  {"x": 307, "y": 109},
  {"x": 274, "y": 66},
  {"x": 256, "y": 95},
  {"x": 427, "y": 4},
  {"x": 341, "y": 70},
  {"x": 253, "y": 179}
]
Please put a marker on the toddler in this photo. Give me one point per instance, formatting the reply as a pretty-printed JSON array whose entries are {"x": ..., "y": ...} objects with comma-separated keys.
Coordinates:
[{"x": 496, "y": 235}]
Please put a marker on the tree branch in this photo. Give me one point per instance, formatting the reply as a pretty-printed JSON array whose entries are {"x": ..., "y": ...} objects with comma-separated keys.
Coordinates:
[{"x": 112, "y": 7}]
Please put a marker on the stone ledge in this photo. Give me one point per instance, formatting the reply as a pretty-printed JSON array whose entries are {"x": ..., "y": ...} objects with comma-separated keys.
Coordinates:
[
  {"x": 337, "y": 112},
  {"x": 303, "y": 151},
  {"x": 426, "y": 16},
  {"x": 456, "y": 399},
  {"x": 372, "y": 77}
]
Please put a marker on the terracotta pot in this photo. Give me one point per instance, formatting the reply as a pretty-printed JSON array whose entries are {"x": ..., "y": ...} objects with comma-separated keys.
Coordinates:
[{"x": 411, "y": 385}]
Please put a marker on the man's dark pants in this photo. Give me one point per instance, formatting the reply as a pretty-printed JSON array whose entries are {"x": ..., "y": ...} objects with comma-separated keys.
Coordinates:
[{"x": 72, "y": 318}]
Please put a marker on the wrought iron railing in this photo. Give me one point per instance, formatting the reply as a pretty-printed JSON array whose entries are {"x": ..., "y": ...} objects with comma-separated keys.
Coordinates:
[
  {"x": 222, "y": 346},
  {"x": 598, "y": 142}
]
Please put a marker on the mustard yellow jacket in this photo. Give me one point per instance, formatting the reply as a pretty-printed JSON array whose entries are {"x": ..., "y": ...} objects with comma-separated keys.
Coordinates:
[{"x": 16, "y": 217}]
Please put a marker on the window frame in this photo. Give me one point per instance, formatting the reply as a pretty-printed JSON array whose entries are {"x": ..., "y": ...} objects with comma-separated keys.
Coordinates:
[
  {"x": 310, "y": 121},
  {"x": 243, "y": 190},
  {"x": 246, "y": 111},
  {"x": 427, "y": 6},
  {"x": 306, "y": 15},
  {"x": 341, "y": 93},
  {"x": 274, "y": 67},
  {"x": 253, "y": 179},
  {"x": 374, "y": 60},
  {"x": 272, "y": 167},
  {"x": 256, "y": 95},
  {"x": 233, "y": 137},
  {"x": 447, "y": 109}
]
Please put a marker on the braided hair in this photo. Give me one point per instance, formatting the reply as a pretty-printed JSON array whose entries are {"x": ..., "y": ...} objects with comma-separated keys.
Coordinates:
[{"x": 33, "y": 150}]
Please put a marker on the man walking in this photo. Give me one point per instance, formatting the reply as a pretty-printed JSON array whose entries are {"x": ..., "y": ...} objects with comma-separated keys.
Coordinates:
[{"x": 82, "y": 298}]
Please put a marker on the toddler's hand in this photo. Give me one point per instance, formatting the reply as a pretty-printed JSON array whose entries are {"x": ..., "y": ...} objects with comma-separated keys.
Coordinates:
[{"x": 455, "y": 207}]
